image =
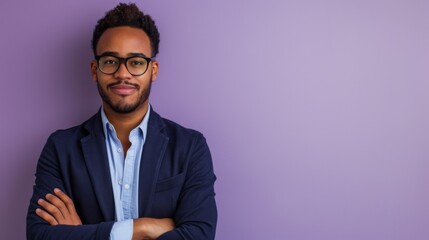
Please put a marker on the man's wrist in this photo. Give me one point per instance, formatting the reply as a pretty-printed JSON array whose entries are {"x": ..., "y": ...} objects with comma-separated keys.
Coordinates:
[
  {"x": 151, "y": 228},
  {"x": 143, "y": 229},
  {"x": 138, "y": 229}
]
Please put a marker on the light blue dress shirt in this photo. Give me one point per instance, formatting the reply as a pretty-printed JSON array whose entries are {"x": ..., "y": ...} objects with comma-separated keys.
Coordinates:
[{"x": 124, "y": 174}]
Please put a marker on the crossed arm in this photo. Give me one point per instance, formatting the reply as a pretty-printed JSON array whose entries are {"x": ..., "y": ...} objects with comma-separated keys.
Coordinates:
[
  {"x": 59, "y": 209},
  {"x": 52, "y": 213}
]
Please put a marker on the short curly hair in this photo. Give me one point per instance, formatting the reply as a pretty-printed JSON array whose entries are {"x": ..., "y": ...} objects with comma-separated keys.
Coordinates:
[{"x": 127, "y": 15}]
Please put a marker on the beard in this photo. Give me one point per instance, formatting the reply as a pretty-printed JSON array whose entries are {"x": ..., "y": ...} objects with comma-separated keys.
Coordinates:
[{"x": 121, "y": 106}]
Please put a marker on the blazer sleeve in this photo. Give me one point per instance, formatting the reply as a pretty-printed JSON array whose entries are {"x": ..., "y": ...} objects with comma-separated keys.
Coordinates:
[
  {"x": 196, "y": 214},
  {"x": 48, "y": 177}
]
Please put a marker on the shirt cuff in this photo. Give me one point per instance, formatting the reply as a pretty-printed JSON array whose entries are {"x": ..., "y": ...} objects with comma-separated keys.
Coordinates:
[{"x": 122, "y": 230}]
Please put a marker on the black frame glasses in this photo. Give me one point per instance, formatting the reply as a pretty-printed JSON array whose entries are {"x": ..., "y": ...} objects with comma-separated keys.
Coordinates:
[{"x": 124, "y": 61}]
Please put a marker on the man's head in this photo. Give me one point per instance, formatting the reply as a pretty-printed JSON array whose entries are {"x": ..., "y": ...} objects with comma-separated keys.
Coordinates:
[
  {"x": 127, "y": 15},
  {"x": 124, "y": 44}
]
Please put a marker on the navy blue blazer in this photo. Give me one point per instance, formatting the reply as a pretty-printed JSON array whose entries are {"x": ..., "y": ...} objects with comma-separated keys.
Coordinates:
[{"x": 176, "y": 181}]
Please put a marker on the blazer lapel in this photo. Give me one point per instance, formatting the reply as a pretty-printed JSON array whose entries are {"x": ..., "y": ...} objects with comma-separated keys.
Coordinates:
[
  {"x": 153, "y": 153},
  {"x": 94, "y": 151}
]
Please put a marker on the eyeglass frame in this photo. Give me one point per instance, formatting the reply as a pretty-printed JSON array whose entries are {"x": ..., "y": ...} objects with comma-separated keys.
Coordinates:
[{"x": 124, "y": 61}]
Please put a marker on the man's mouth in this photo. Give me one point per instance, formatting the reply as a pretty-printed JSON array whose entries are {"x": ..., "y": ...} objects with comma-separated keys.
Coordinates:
[{"x": 123, "y": 89}]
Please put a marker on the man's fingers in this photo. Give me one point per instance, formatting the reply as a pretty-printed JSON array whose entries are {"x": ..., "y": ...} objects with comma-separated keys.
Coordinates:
[
  {"x": 58, "y": 203},
  {"x": 65, "y": 199},
  {"x": 69, "y": 204},
  {"x": 51, "y": 209},
  {"x": 58, "y": 209},
  {"x": 46, "y": 216}
]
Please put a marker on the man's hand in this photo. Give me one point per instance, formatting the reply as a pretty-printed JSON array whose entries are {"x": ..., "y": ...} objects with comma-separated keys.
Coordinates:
[
  {"x": 58, "y": 209},
  {"x": 151, "y": 228}
]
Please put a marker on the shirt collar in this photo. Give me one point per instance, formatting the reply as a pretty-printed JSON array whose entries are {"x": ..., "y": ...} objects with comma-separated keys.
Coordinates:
[{"x": 143, "y": 124}]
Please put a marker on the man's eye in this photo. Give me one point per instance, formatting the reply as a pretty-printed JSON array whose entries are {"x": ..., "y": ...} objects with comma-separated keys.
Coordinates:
[
  {"x": 110, "y": 62},
  {"x": 137, "y": 63}
]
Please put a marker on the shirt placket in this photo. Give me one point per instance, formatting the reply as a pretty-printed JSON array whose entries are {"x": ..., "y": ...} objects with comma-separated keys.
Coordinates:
[{"x": 128, "y": 178}]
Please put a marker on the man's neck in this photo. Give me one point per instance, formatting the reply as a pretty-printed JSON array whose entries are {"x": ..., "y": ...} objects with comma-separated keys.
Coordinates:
[{"x": 125, "y": 122}]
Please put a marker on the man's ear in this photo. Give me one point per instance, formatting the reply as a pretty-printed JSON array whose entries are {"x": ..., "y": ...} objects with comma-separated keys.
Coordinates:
[
  {"x": 94, "y": 70},
  {"x": 154, "y": 69}
]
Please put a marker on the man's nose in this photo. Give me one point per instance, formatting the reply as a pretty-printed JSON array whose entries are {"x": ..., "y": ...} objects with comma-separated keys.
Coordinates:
[{"x": 122, "y": 71}]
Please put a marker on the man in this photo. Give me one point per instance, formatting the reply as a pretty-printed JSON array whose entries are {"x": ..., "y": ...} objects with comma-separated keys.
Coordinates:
[{"x": 126, "y": 173}]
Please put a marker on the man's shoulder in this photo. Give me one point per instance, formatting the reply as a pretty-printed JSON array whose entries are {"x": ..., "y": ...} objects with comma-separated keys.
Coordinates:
[
  {"x": 76, "y": 132},
  {"x": 176, "y": 130}
]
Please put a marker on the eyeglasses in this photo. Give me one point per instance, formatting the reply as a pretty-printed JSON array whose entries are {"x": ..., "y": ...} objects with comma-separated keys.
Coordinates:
[{"x": 136, "y": 65}]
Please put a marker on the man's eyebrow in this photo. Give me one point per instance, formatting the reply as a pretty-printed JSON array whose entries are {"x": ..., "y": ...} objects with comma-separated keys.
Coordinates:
[
  {"x": 132, "y": 54},
  {"x": 109, "y": 53},
  {"x": 139, "y": 54}
]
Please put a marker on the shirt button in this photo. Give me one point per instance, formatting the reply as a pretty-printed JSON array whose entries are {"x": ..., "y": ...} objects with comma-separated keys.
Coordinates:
[
  {"x": 120, "y": 182},
  {"x": 119, "y": 150},
  {"x": 127, "y": 186}
]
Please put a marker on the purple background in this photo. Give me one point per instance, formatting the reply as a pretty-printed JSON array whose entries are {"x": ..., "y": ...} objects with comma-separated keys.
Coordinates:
[{"x": 316, "y": 112}]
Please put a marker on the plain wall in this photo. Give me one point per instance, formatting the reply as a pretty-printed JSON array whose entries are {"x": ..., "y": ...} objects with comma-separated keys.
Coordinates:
[{"x": 316, "y": 112}]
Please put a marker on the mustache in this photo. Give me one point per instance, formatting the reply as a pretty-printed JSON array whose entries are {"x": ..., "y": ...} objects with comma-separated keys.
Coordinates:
[{"x": 123, "y": 83}]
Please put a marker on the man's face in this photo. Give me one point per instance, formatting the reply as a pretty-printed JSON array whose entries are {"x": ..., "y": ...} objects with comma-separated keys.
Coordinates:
[{"x": 121, "y": 91}]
